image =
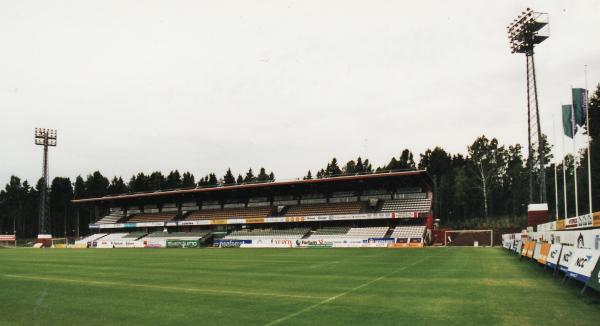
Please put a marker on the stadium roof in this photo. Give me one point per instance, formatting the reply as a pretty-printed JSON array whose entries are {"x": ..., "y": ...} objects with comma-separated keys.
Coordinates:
[{"x": 421, "y": 174}]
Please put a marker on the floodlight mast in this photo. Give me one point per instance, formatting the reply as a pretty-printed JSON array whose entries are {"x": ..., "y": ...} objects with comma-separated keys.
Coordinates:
[
  {"x": 46, "y": 138},
  {"x": 527, "y": 30}
]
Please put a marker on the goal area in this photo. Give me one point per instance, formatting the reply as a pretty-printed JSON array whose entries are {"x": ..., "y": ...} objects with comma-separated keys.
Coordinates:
[{"x": 475, "y": 238}]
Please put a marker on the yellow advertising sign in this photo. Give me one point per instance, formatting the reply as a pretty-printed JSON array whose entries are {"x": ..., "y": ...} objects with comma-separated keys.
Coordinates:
[
  {"x": 560, "y": 224},
  {"x": 219, "y": 221},
  {"x": 294, "y": 219},
  {"x": 596, "y": 219},
  {"x": 544, "y": 251},
  {"x": 255, "y": 220}
]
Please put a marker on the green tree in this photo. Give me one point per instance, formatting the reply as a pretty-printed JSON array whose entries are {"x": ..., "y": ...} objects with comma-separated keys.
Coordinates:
[
  {"x": 188, "y": 180},
  {"x": 173, "y": 180},
  {"x": 250, "y": 176},
  {"x": 487, "y": 159},
  {"x": 228, "y": 179}
]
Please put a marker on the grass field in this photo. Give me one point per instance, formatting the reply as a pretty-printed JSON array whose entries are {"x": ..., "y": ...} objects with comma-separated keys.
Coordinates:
[{"x": 431, "y": 286}]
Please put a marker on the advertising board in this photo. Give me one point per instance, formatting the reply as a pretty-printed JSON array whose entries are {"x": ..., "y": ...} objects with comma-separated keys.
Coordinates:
[
  {"x": 553, "y": 255},
  {"x": 583, "y": 263},
  {"x": 566, "y": 258},
  {"x": 544, "y": 251},
  {"x": 179, "y": 243}
]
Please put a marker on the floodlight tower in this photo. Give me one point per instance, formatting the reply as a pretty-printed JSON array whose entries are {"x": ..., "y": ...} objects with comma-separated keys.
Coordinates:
[
  {"x": 526, "y": 31},
  {"x": 46, "y": 138}
]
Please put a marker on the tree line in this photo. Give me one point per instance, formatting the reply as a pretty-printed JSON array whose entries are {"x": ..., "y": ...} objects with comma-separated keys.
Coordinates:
[{"x": 488, "y": 183}]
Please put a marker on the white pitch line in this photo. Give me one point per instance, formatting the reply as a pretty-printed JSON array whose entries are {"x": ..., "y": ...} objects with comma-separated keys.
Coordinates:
[
  {"x": 320, "y": 303},
  {"x": 161, "y": 287}
]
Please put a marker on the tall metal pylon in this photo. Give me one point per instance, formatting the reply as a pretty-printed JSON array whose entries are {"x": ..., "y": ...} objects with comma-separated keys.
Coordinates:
[
  {"x": 527, "y": 30},
  {"x": 46, "y": 138}
]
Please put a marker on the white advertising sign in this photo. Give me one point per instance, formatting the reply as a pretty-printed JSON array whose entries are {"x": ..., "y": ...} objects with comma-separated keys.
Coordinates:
[
  {"x": 583, "y": 263},
  {"x": 566, "y": 258},
  {"x": 554, "y": 255}
]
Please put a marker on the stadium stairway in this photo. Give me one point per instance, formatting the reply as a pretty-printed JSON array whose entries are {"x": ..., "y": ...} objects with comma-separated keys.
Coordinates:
[{"x": 389, "y": 232}]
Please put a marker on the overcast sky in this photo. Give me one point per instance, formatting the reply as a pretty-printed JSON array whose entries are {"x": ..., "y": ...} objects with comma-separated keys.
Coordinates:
[{"x": 205, "y": 85}]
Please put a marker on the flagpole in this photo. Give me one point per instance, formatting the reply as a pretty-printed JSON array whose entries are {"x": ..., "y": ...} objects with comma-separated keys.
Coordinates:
[
  {"x": 555, "y": 174},
  {"x": 589, "y": 155},
  {"x": 574, "y": 160},
  {"x": 564, "y": 170}
]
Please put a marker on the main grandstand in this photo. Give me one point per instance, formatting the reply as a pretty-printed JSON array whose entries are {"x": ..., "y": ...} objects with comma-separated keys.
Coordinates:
[{"x": 382, "y": 209}]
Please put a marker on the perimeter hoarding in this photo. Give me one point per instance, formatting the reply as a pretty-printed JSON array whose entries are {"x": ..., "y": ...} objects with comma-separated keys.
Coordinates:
[
  {"x": 536, "y": 250},
  {"x": 544, "y": 251},
  {"x": 174, "y": 243},
  {"x": 594, "y": 280},
  {"x": 554, "y": 255},
  {"x": 583, "y": 263},
  {"x": 566, "y": 258}
]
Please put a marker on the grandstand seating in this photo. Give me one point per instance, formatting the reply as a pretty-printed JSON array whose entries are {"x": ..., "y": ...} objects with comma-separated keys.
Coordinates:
[
  {"x": 349, "y": 233},
  {"x": 154, "y": 217},
  {"x": 295, "y": 233},
  {"x": 177, "y": 235},
  {"x": 413, "y": 231},
  {"x": 135, "y": 235},
  {"x": 419, "y": 205},
  {"x": 368, "y": 232},
  {"x": 113, "y": 237},
  {"x": 111, "y": 218},
  {"x": 90, "y": 238},
  {"x": 251, "y": 212},
  {"x": 335, "y": 230},
  {"x": 324, "y": 209}
]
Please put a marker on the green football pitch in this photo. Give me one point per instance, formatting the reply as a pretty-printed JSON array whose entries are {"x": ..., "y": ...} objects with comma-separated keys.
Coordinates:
[{"x": 430, "y": 286}]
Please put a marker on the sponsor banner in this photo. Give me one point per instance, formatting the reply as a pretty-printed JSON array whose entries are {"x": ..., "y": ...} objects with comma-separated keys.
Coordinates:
[
  {"x": 594, "y": 280},
  {"x": 518, "y": 247},
  {"x": 566, "y": 258},
  {"x": 579, "y": 238},
  {"x": 544, "y": 251},
  {"x": 103, "y": 244},
  {"x": 536, "y": 250},
  {"x": 117, "y": 226},
  {"x": 94, "y": 226},
  {"x": 188, "y": 223},
  {"x": 379, "y": 240},
  {"x": 550, "y": 226},
  {"x": 570, "y": 222},
  {"x": 149, "y": 224},
  {"x": 231, "y": 243},
  {"x": 171, "y": 223},
  {"x": 294, "y": 219},
  {"x": 596, "y": 219},
  {"x": 269, "y": 243},
  {"x": 177, "y": 243},
  {"x": 560, "y": 224},
  {"x": 319, "y": 243},
  {"x": 255, "y": 220},
  {"x": 274, "y": 219},
  {"x": 218, "y": 221},
  {"x": 415, "y": 243},
  {"x": 583, "y": 263},
  {"x": 123, "y": 244}
]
